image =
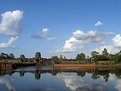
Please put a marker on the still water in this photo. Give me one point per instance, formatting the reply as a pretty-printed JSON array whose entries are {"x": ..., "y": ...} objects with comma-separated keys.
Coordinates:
[{"x": 61, "y": 79}]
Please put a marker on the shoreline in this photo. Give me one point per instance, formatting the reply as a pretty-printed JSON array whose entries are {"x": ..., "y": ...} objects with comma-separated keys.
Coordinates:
[{"x": 85, "y": 65}]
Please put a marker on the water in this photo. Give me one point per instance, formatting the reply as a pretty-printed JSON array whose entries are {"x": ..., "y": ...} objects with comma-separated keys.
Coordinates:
[{"x": 61, "y": 79}]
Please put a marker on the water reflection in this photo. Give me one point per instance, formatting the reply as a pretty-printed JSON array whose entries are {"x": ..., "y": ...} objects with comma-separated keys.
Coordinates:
[
  {"x": 96, "y": 72},
  {"x": 7, "y": 82},
  {"x": 76, "y": 83},
  {"x": 65, "y": 78}
]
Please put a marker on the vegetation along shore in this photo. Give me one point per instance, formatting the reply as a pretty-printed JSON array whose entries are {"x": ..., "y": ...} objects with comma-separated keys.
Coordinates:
[{"x": 81, "y": 60}]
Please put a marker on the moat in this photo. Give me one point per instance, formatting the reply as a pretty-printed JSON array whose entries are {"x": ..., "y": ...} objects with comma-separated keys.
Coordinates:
[{"x": 48, "y": 78}]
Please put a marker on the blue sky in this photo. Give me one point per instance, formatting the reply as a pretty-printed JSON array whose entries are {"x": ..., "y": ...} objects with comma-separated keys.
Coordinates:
[{"x": 56, "y": 27}]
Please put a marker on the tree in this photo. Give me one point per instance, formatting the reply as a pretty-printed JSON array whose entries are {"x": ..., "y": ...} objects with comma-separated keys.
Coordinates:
[
  {"x": 98, "y": 57},
  {"x": 22, "y": 57},
  {"x": 55, "y": 59},
  {"x": 115, "y": 57},
  {"x": 37, "y": 56},
  {"x": 80, "y": 57},
  {"x": 105, "y": 54},
  {"x": 95, "y": 55},
  {"x": 106, "y": 77},
  {"x": 11, "y": 55},
  {"x": 119, "y": 52}
]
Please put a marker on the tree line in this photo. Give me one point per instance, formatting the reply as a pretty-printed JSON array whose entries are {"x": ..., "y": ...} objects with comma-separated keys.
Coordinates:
[
  {"x": 22, "y": 56},
  {"x": 104, "y": 56},
  {"x": 95, "y": 57}
]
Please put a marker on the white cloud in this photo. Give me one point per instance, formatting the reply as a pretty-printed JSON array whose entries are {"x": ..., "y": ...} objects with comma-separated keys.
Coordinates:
[
  {"x": 79, "y": 39},
  {"x": 44, "y": 34},
  {"x": 112, "y": 48},
  {"x": 45, "y": 30},
  {"x": 99, "y": 23},
  {"x": 10, "y": 24},
  {"x": 9, "y": 43},
  {"x": 117, "y": 40}
]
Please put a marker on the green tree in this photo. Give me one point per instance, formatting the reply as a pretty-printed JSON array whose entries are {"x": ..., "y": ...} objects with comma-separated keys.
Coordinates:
[
  {"x": 105, "y": 54},
  {"x": 80, "y": 57},
  {"x": 55, "y": 59},
  {"x": 115, "y": 57},
  {"x": 95, "y": 56},
  {"x": 119, "y": 52}
]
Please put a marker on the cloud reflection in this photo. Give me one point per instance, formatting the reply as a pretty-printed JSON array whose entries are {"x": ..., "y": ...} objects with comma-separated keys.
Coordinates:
[
  {"x": 77, "y": 83},
  {"x": 116, "y": 81},
  {"x": 7, "y": 83}
]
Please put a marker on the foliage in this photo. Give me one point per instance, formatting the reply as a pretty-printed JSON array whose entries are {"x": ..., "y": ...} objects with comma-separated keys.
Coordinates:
[
  {"x": 55, "y": 59},
  {"x": 80, "y": 57},
  {"x": 105, "y": 55},
  {"x": 100, "y": 57},
  {"x": 105, "y": 52},
  {"x": 115, "y": 57},
  {"x": 95, "y": 55}
]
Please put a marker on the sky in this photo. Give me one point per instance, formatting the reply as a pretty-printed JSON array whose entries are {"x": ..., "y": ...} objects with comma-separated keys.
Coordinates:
[{"x": 55, "y": 27}]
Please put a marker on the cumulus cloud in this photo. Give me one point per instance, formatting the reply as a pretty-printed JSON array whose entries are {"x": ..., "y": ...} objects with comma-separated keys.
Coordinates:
[
  {"x": 9, "y": 43},
  {"x": 44, "y": 34},
  {"x": 80, "y": 38},
  {"x": 112, "y": 48},
  {"x": 117, "y": 40},
  {"x": 10, "y": 24},
  {"x": 98, "y": 23}
]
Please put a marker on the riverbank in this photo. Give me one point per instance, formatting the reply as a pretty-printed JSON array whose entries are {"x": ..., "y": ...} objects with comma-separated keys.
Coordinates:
[
  {"x": 17, "y": 65},
  {"x": 84, "y": 65},
  {"x": 74, "y": 65}
]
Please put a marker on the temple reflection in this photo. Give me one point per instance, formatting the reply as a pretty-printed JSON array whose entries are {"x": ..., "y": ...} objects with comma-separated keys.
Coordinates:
[
  {"x": 95, "y": 72},
  {"x": 37, "y": 74}
]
